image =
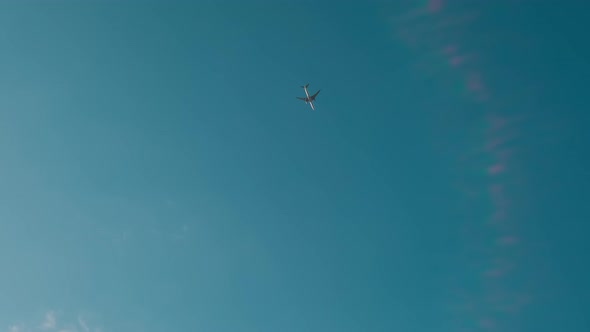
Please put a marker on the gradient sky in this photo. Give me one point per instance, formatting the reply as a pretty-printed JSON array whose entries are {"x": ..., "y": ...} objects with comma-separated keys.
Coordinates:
[{"x": 158, "y": 173}]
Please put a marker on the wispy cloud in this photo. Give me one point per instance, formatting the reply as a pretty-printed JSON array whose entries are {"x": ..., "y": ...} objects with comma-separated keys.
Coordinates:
[
  {"x": 50, "y": 321},
  {"x": 83, "y": 324}
]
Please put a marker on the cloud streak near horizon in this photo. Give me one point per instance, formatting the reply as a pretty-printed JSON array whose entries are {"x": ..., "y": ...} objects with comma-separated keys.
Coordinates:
[{"x": 51, "y": 322}]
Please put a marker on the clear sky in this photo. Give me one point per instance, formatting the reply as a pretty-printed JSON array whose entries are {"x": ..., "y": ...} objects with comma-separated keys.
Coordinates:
[{"x": 158, "y": 173}]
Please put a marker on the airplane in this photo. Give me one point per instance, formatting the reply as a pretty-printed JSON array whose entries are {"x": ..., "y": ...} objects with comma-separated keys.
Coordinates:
[{"x": 309, "y": 99}]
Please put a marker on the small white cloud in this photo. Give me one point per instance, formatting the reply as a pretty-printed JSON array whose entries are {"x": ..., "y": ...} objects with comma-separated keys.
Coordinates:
[
  {"x": 83, "y": 324},
  {"x": 50, "y": 321},
  {"x": 14, "y": 328}
]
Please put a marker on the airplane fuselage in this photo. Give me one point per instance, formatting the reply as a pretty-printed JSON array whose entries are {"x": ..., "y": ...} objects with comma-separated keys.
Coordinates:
[{"x": 308, "y": 99}]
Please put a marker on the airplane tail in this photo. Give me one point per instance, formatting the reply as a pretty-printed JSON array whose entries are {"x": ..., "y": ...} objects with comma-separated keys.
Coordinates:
[{"x": 305, "y": 86}]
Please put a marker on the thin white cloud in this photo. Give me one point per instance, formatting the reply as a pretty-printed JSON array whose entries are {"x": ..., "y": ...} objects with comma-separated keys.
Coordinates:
[
  {"x": 50, "y": 324},
  {"x": 50, "y": 321},
  {"x": 83, "y": 324}
]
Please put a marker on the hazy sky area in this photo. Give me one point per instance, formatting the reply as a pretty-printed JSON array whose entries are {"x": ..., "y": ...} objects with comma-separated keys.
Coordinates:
[{"x": 157, "y": 172}]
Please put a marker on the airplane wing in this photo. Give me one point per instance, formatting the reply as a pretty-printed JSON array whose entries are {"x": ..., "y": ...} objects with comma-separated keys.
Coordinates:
[
  {"x": 300, "y": 98},
  {"x": 313, "y": 97}
]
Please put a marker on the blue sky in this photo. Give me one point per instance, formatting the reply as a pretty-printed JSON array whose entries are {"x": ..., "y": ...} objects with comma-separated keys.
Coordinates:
[{"x": 158, "y": 172}]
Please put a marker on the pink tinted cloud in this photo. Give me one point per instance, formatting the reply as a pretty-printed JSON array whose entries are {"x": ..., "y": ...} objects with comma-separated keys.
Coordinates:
[
  {"x": 500, "y": 202},
  {"x": 500, "y": 269},
  {"x": 496, "y": 190},
  {"x": 477, "y": 87},
  {"x": 498, "y": 197},
  {"x": 450, "y": 49},
  {"x": 474, "y": 83},
  {"x": 505, "y": 153},
  {"x": 497, "y": 122},
  {"x": 516, "y": 304},
  {"x": 508, "y": 240},
  {"x": 481, "y": 97},
  {"x": 496, "y": 141},
  {"x": 457, "y": 60},
  {"x": 496, "y": 169},
  {"x": 499, "y": 215},
  {"x": 487, "y": 323},
  {"x": 456, "y": 22},
  {"x": 495, "y": 273},
  {"x": 435, "y": 6},
  {"x": 502, "y": 122}
]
